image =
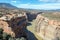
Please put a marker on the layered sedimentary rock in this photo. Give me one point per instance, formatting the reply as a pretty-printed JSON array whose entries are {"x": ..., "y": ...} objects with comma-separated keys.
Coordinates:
[
  {"x": 14, "y": 24},
  {"x": 47, "y": 29}
]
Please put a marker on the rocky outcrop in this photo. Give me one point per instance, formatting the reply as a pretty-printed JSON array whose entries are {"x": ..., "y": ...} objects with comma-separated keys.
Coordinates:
[
  {"x": 5, "y": 26},
  {"x": 14, "y": 24},
  {"x": 47, "y": 29}
]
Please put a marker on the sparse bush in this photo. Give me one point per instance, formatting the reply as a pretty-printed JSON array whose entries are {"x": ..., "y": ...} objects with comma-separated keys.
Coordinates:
[
  {"x": 11, "y": 38},
  {"x": 5, "y": 36},
  {"x": 18, "y": 39},
  {"x": 22, "y": 38},
  {"x": 1, "y": 33}
]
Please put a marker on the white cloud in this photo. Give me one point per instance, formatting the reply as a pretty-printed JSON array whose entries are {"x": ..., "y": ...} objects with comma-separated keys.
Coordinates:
[
  {"x": 44, "y": 0},
  {"x": 40, "y": 6},
  {"x": 13, "y": 1},
  {"x": 49, "y": 1}
]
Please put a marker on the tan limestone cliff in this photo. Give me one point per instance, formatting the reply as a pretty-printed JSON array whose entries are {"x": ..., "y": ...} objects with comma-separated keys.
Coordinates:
[{"x": 47, "y": 29}]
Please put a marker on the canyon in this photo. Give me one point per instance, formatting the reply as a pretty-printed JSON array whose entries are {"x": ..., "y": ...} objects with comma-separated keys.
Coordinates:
[{"x": 30, "y": 24}]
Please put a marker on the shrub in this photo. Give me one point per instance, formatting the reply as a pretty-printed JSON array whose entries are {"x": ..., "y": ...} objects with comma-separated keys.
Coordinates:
[{"x": 5, "y": 36}]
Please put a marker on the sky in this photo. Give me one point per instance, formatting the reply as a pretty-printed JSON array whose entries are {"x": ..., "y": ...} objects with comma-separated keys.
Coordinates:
[{"x": 34, "y": 4}]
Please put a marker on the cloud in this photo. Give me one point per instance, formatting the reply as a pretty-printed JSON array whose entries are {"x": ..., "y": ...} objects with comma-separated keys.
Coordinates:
[
  {"x": 52, "y": 1},
  {"x": 40, "y": 6},
  {"x": 13, "y": 1},
  {"x": 44, "y": 0}
]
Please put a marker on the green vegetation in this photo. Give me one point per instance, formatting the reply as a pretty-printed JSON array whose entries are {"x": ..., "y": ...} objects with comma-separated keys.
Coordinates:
[
  {"x": 52, "y": 16},
  {"x": 32, "y": 29},
  {"x": 5, "y": 36}
]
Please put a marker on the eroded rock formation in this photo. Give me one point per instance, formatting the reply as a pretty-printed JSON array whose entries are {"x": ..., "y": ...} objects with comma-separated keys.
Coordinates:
[
  {"x": 47, "y": 29},
  {"x": 14, "y": 24}
]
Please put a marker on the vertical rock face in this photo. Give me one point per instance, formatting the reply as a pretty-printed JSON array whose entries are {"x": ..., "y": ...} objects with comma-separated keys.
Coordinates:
[
  {"x": 17, "y": 25},
  {"x": 14, "y": 24},
  {"x": 47, "y": 29}
]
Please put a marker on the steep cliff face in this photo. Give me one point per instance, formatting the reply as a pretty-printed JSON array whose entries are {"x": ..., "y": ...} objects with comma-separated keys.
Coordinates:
[
  {"x": 14, "y": 24},
  {"x": 47, "y": 29},
  {"x": 18, "y": 25}
]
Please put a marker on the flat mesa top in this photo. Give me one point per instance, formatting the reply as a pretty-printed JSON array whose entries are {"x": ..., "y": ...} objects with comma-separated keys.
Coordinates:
[{"x": 52, "y": 15}]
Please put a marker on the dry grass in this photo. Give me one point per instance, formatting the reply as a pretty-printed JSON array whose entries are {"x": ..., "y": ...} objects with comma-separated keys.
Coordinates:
[{"x": 52, "y": 16}]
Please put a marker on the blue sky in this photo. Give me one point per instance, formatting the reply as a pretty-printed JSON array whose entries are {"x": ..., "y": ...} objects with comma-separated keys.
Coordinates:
[{"x": 34, "y": 4}]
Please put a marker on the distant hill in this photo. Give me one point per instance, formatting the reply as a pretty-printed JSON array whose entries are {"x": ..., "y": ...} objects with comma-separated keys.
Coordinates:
[
  {"x": 10, "y": 6},
  {"x": 7, "y": 5}
]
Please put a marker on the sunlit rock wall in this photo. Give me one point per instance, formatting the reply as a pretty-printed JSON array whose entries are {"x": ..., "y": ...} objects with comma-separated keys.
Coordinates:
[{"x": 47, "y": 29}]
